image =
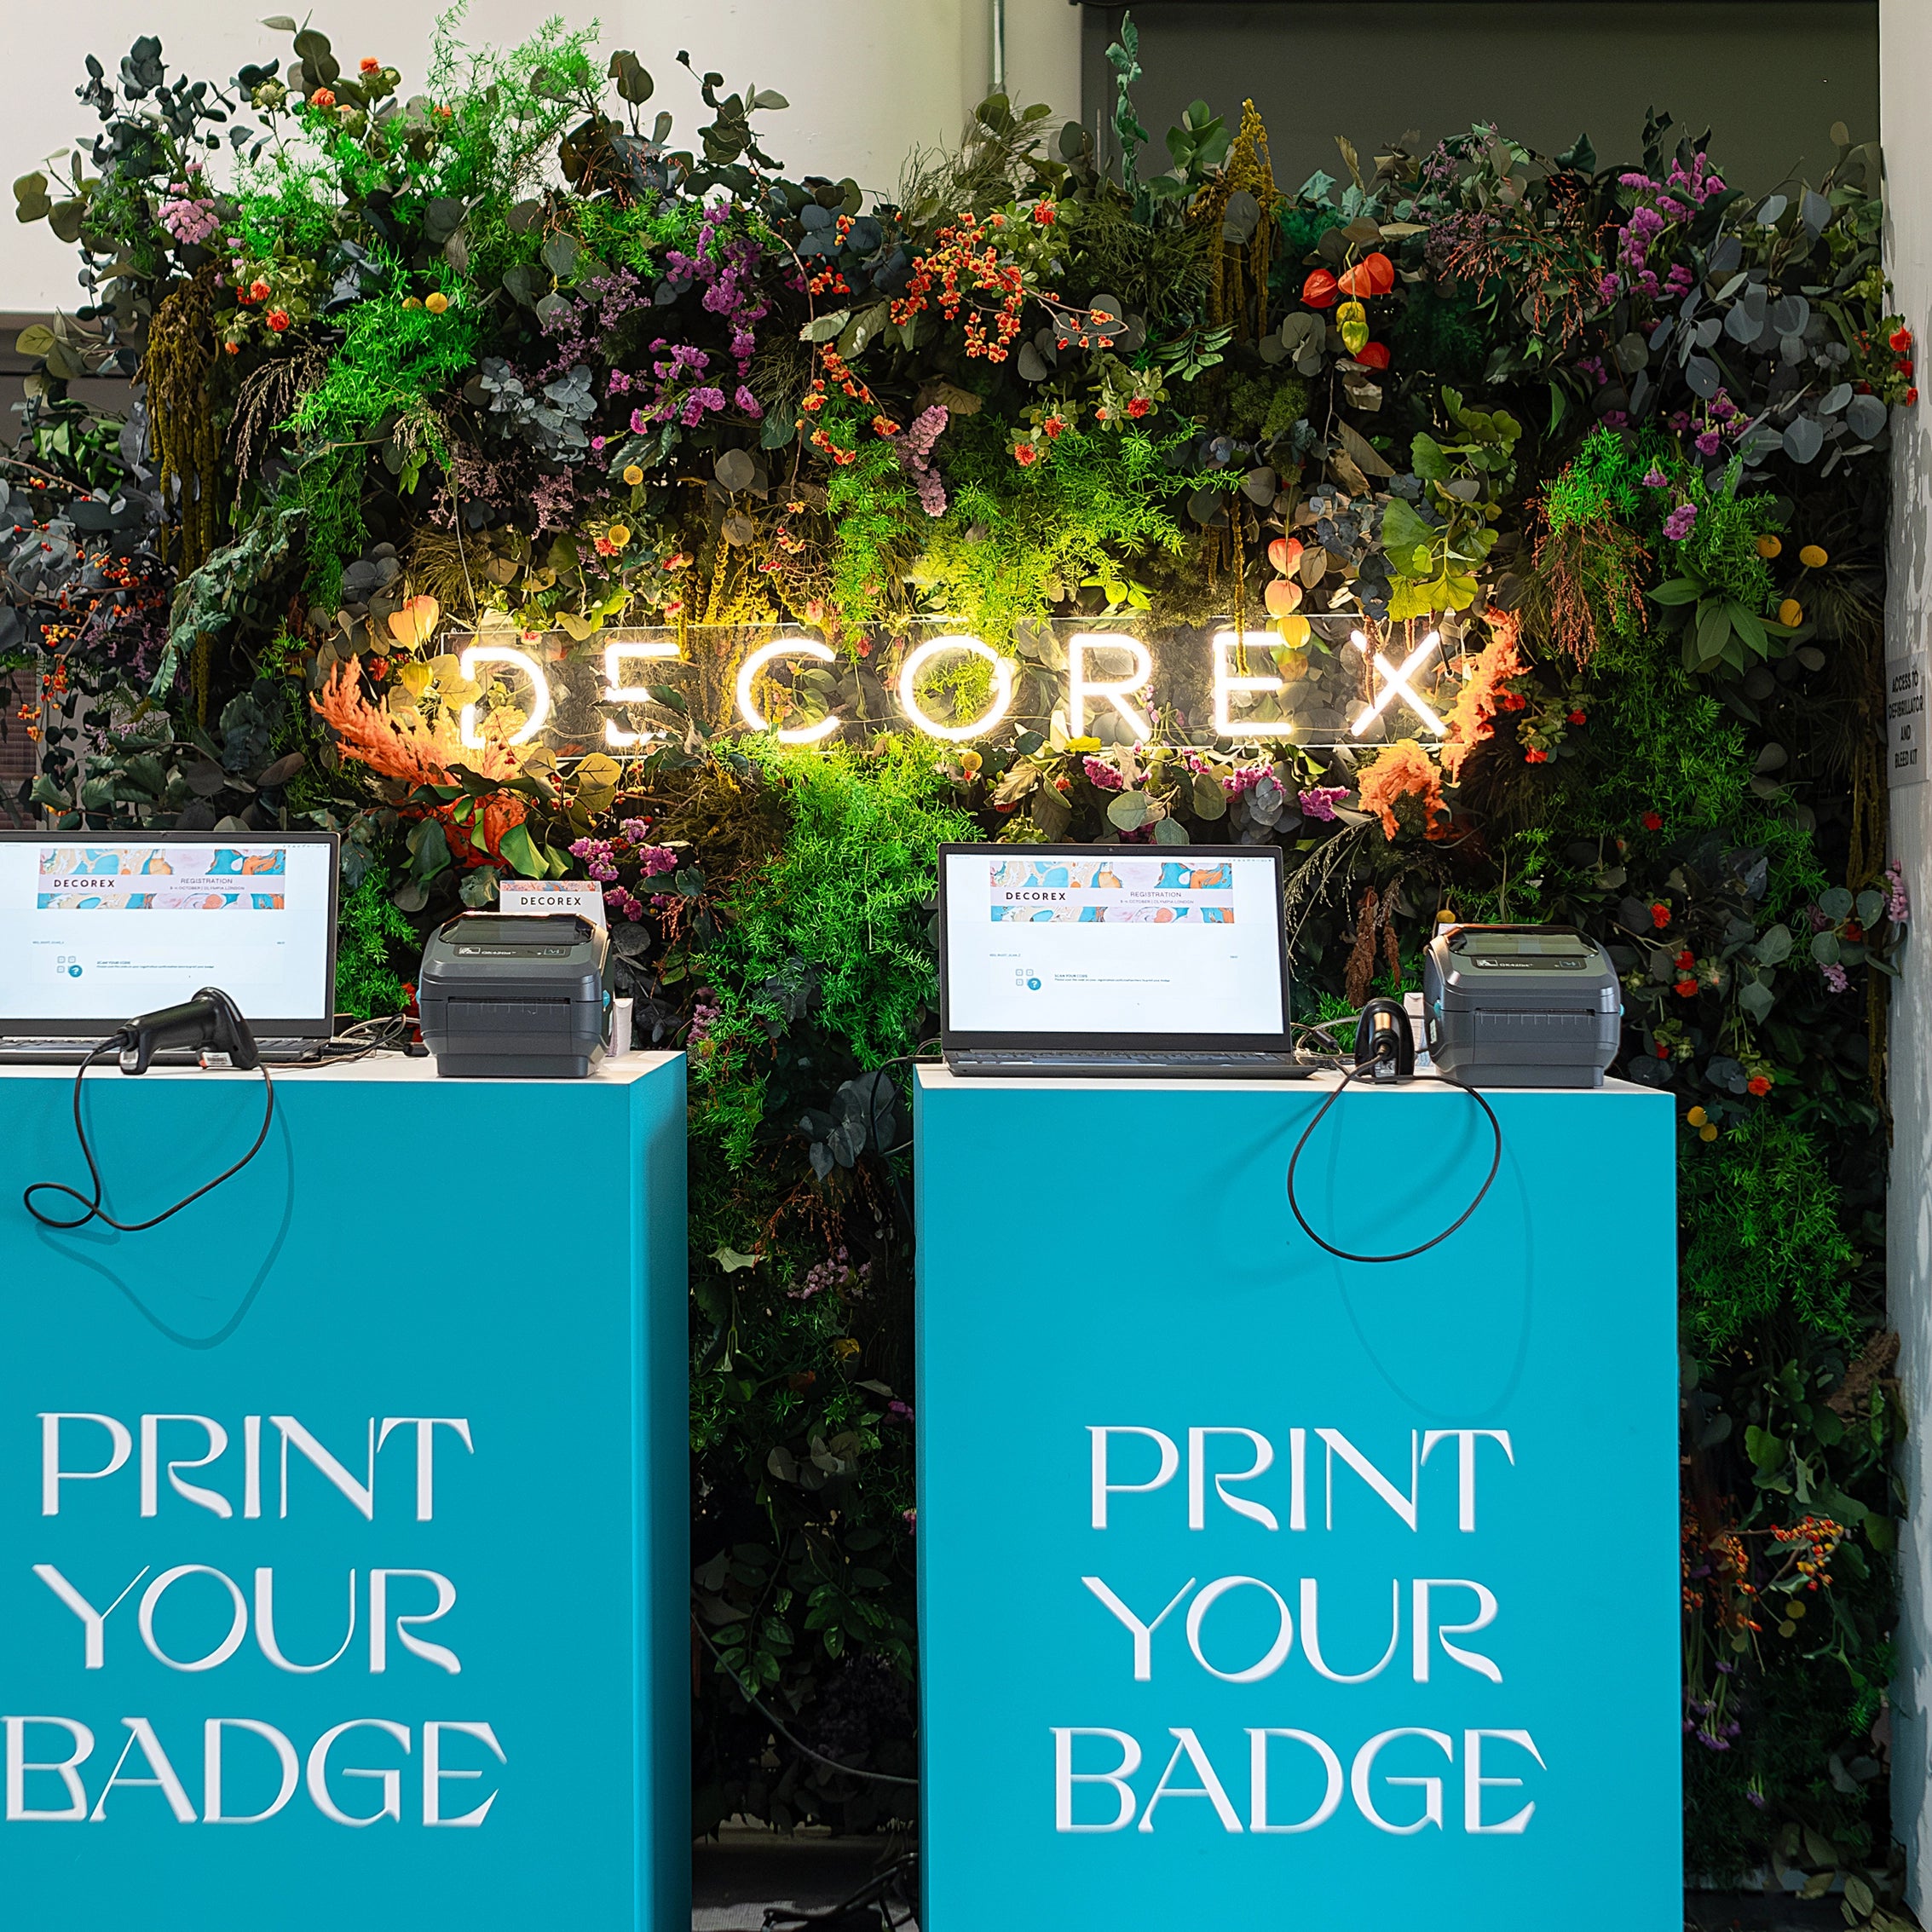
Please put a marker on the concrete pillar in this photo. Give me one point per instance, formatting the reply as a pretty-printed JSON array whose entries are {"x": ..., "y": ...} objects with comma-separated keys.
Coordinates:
[
  {"x": 868, "y": 82},
  {"x": 1905, "y": 69}
]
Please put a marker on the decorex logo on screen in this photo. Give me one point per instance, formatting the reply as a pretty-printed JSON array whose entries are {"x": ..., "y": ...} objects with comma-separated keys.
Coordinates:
[
  {"x": 63, "y": 1770},
  {"x": 1295, "y": 1778}
]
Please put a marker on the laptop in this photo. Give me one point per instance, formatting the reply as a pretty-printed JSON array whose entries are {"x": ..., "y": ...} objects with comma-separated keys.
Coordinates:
[
  {"x": 1125, "y": 961},
  {"x": 98, "y": 926}
]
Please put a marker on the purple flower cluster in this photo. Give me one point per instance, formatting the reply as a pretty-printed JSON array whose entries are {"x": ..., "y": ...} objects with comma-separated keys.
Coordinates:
[
  {"x": 687, "y": 389},
  {"x": 1898, "y": 905},
  {"x": 1680, "y": 522},
  {"x": 913, "y": 446},
  {"x": 1101, "y": 775},
  {"x": 624, "y": 903},
  {"x": 1319, "y": 802},
  {"x": 835, "y": 1272},
  {"x": 1835, "y": 977},
  {"x": 704, "y": 1015},
  {"x": 603, "y": 856},
  {"x": 1660, "y": 205},
  {"x": 728, "y": 267},
  {"x": 599, "y": 856},
  {"x": 190, "y": 219}
]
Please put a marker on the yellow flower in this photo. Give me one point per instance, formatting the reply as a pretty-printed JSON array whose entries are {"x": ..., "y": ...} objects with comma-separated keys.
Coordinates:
[
  {"x": 1813, "y": 558},
  {"x": 1708, "y": 1131},
  {"x": 1790, "y": 611},
  {"x": 618, "y": 534},
  {"x": 436, "y": 303},
  {"x": 844, "y": 1348},
  {"x": 412, "y": 301},
  {"x": 1770, "y": 546},
  {"x": 632, "y": 475},
  {"x": 1697, "y": 1116}
]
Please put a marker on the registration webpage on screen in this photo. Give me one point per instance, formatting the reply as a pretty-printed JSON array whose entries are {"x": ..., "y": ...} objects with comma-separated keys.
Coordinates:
[
  {"x": 1154, "y": 944},
  {"x": 93, "y": 930}
]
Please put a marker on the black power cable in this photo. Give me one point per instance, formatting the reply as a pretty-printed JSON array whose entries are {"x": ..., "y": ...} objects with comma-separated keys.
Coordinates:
[
  {"x": 1408, "y": 1254},
  {"x": 95, "y": 1211}
]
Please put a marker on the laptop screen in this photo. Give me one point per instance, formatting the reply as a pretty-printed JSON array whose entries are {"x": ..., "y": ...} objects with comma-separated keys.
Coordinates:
[
  {"x": 1113, "y": 941},
  {"x": 97, "y": 927}
]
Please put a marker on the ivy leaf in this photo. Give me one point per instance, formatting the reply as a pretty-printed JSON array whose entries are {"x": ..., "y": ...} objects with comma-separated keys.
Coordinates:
[
  {"x": 825, "y": 328},
  {"x": 1209, "y": 800},
  {"x": 520, "y": 849},
  {"x": 1677, "y": 590}
]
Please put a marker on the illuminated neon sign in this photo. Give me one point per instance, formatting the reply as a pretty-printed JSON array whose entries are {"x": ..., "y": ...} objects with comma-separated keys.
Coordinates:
[{"x": 1070, "y": 681}]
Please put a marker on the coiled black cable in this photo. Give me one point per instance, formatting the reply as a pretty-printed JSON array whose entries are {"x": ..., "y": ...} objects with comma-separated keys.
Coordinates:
[
  {"x": 95, "y": 1211},
  {"x": 1407, "y": 1254}
]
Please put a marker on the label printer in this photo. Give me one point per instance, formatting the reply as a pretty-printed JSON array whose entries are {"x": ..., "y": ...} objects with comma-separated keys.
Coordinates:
[
  {"x": 1521, "y": 1005},
  {"x": 516, "y": 995}
]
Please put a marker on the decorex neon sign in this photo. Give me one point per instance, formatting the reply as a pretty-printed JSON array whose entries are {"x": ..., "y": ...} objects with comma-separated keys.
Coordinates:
[{"x": 1068, "y": 680}]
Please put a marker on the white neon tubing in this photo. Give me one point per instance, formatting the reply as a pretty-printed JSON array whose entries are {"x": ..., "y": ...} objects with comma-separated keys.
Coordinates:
[
  {"x": 616, "y": 692},
  {"x": 1114, "y": 691},
  {"x": 1394, "y": 682},
  {"x": 518, "y": 661},
  {"x": 1226, "y": 685},
  {"x": 785, "y": 646},
  {"x": 920, "y": 655}
]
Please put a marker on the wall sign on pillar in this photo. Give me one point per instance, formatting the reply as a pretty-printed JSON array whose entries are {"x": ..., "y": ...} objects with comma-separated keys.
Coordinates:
[{"x": 1905, "y": 720}]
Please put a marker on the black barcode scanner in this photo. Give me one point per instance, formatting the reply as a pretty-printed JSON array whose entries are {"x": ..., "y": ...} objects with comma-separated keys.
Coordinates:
[
  {"x": 212, "y": 1023},
  {"x": 1385, "y": 1044}
]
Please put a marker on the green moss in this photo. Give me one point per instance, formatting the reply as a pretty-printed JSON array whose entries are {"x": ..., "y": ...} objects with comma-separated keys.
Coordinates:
[
  {"x": 844, "y": 910},
  {"x": 1012, "y": 534},
  {"x": 370, "y": 931},
  {"x": 1766, "y": 1242}
]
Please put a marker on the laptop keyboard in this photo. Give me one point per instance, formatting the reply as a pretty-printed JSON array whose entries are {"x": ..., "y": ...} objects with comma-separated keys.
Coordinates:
[
  {"x": 43, "y": 1051},
  {"x": 1100, "y": 1059}
]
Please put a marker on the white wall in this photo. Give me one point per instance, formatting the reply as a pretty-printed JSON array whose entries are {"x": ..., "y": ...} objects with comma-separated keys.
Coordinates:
[
  {"x": 1905, "y": 72},
  {"x": 867, "y": 80}
]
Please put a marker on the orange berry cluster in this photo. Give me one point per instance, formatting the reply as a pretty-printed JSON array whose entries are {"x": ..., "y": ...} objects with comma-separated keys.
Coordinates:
[{"x": 965, "y": 265}]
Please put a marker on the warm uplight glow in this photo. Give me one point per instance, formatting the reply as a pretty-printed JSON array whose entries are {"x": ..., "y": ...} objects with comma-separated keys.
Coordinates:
[
  {"x": 920, "y": 655},
  {"x": 1114, "y": 691},
  {"x": 747, "y": 674},
  {"x": 1226, "y": 685},
  {"x": 519, "y": 661},
  {"x": 617, "y": 692},
  {"x": 1395, "y": 683}
]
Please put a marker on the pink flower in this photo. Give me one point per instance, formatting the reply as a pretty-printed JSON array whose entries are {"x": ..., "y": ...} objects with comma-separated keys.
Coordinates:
[
  {"x": 1101, "y": 775},
  {"x": 1318, "y": 802}
]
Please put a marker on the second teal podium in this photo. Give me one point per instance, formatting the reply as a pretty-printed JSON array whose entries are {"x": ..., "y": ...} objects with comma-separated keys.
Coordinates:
[{"x": 1259, "y": 1587}]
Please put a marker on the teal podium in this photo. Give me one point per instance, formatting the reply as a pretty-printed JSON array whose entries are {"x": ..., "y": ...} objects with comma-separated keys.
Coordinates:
[
  {"x": 343, "y": 1517},
  {"x": 1262, "y": 1588}
]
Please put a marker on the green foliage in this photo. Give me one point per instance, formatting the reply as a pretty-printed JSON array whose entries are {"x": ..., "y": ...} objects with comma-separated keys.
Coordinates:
[
  {"x": 1766, "y": 1239},
  {"x": 1011, "y": 535},
  {"x": 368, "y": 938},
  {"x": 838, "y": 919}
]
